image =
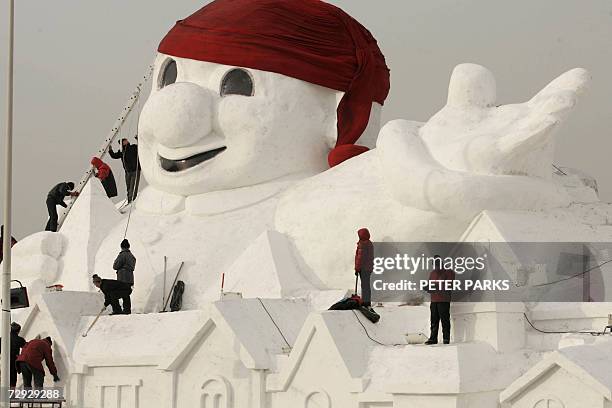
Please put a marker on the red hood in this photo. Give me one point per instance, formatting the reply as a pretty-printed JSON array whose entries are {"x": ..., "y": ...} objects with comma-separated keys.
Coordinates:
[
  {"x": 364, "y": 234},
  {"x": 95, "y": 161}
]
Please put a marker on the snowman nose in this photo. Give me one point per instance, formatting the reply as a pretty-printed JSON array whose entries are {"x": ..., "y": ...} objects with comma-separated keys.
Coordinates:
[{"x": 179, "y": 115}]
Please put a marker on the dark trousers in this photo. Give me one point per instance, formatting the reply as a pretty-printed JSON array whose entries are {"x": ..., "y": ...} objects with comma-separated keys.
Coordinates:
[
  {"x": 440, "y": 311},
  {"x": 27, "y": 373},
  {"x": 13, "y": 373},
  {"x": 366, "y": 293},
  {"x": 124, "y": 295},
  {"x": 132, "y": 179},
  {"x": 52, "y": 209}
]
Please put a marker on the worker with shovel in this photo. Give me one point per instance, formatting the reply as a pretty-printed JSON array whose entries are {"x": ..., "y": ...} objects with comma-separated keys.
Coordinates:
[
  {"x": 364, "y": 264},
  {"x": 122, "y": 287},
  {"x": 113, "y": 291}
]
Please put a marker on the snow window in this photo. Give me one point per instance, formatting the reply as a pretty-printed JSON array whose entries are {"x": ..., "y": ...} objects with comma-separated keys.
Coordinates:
[
  {"x": 549, "y": 403},
  {"x": 237, "y": 82},
  {"x": 168, "y": 73}
]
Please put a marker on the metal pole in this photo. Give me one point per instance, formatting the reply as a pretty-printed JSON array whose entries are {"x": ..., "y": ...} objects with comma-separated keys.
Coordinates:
[{"x": 6, "y": 270}]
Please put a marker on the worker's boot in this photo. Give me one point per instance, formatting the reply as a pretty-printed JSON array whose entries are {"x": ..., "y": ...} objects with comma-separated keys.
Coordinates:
[
  {"x": 116, "y": 312},
  {"x": 431, "y": 341}
]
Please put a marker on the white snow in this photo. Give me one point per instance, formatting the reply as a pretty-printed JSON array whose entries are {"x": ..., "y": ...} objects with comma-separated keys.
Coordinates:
[
  {"x": 91, "y": 218},
  {"x": 282, "y": 227},
  {"x": 267, "y": 268}
]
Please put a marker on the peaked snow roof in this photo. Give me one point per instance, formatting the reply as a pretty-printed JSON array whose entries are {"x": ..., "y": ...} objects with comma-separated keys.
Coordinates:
[
  {"x": 263, "y": 326},
  {"x": 589, "y": 363},
  {"x": 346, "y": 337},
  {"x": 571, "y": 225},
  {"x": 137, "y": 339},
  {"x": 64, "y": 311},
  {"x": 352, "y": 341}
]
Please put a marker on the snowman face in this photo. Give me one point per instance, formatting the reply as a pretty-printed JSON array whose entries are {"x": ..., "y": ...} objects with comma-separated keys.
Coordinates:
[{"x": 209, "y": 127}]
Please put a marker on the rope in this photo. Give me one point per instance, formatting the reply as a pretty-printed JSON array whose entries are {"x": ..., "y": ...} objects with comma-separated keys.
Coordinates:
[
  {"x": 127, "y": 224},
  {"x": 574, "y": 276},
  {"x": 273, "y": 321},
  {"x": 592, "y": 333},
  {"x": 136, "y": 186},
  {"x": 559, "y": 170},
  {"x": 370, "y": 337}
]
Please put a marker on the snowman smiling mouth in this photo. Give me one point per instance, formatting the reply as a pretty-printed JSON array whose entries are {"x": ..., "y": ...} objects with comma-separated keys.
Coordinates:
[{"x": 188, "y": 162}]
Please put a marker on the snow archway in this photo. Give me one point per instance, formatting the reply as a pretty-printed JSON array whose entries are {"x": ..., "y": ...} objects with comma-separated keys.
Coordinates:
[{"x": 216, "y": 393}]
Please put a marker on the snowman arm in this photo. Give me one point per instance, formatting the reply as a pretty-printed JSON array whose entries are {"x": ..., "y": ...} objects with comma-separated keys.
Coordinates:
[{"x": 416, "y": 179}]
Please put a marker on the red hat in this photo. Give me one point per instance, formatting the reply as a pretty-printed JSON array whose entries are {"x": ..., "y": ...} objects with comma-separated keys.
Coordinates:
[{"x": 308, "y": 39}]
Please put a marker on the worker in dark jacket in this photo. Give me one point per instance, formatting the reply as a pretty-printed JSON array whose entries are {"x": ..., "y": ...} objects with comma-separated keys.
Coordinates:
[
  {"x": 13, "y": 242},
  {"x": 30, "y": 361},
  {"x": 364, "y": 264},
  {"x": 113, "y": 291},
  {"x": 17, "y": 343},
  {"x": 129, "y": 159},
  {"x": 125, "y": 263},
  {"x": 104, "y": 173},
  {"x": 56, "y": 197},
  {"x": 440, "y": 300}
]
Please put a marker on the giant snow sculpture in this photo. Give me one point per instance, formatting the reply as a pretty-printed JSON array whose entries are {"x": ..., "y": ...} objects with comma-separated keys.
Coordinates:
[
  {"x": 253, "y": 100},
  {"x": 232, "y": 152}
]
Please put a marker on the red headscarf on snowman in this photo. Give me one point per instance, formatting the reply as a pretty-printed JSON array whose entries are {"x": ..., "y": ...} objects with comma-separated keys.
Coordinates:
[{"x": 307, "y": 39}]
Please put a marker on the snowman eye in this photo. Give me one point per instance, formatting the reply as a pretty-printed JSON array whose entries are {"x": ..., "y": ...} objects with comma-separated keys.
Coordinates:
[
  {"x": 237, "y": 82},
  {"x": 168, "y": 75}
]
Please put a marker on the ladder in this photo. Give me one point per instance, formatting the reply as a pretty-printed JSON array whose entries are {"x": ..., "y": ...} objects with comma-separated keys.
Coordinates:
[{"x": 110, "y": 138}]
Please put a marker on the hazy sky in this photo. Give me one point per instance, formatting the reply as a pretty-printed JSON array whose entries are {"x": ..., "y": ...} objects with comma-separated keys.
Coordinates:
[{"x": 77, "y": 62}]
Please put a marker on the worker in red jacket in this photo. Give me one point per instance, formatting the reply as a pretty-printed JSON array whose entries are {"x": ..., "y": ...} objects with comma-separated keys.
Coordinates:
[
  {"x": 30, "y": 361},
  {"x": 364, "y": 264},
  {"x": 103, "y": 172},
  {"x": 440, "y": 301}
]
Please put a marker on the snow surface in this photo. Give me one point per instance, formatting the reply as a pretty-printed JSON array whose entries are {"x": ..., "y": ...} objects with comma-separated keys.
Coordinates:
[{"x": 269, "y": 215}]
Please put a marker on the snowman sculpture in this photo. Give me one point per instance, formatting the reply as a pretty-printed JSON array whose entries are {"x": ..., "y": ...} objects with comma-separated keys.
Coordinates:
[{"x": 255, "y": 146}]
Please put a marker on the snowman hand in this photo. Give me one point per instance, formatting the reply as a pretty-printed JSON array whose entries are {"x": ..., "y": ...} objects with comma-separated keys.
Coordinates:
[
  {"x": 417, "y": 180},
  {"x": 471, "y": 133}
]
